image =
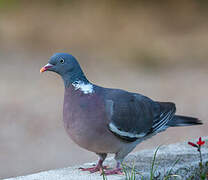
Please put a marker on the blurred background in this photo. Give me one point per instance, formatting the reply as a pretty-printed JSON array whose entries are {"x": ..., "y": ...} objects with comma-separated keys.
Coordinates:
[{"x": 157, "y": 48}]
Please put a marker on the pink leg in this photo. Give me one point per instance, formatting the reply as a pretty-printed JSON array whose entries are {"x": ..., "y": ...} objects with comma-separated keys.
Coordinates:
[
  {"x": 98, "y": 167},
  {"x": 117, "y": 170}
]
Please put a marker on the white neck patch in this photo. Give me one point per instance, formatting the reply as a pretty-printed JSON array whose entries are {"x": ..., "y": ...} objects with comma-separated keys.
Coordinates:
[{"x": 85, "y": 88}]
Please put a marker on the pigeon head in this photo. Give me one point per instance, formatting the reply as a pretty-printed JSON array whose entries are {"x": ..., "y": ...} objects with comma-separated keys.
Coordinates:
[{"x": 66, "y": 66}]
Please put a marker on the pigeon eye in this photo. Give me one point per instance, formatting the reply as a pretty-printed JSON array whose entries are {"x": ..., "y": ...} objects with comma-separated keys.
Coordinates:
[{"x": 62, "y": 61}]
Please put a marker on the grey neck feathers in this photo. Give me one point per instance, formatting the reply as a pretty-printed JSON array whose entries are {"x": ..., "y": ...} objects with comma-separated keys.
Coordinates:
[{"x": 71, "y": 77}]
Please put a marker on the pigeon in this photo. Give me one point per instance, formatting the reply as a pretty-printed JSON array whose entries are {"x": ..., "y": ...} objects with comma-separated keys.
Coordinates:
[{"x": 104, "y": 120}]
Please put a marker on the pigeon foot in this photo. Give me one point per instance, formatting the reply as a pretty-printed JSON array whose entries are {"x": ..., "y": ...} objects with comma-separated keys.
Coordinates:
[
  {"x": 114, "y": 171},
  {"x": 94, "y": 169}
]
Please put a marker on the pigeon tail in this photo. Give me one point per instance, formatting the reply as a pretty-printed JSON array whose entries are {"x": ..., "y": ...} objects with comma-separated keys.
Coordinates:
[{"x": 184, "y": 121}]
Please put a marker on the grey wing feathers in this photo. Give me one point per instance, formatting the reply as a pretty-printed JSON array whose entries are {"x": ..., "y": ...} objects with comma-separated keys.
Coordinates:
[
  {"x": 130, "y": 115},
  {"x": 163, "y": 113},
  {"x": 134, "y": 116}
]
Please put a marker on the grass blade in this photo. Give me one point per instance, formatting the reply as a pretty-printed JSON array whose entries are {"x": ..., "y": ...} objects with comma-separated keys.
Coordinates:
[{"x": 153, "y": 164}]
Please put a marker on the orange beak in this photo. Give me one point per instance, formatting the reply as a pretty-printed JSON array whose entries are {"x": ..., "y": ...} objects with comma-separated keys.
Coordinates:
[{"x": 45, "y": 68}]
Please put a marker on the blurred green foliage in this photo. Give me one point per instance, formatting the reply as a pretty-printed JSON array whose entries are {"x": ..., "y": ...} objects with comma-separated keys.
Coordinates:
[
  {"x": 129, "y": 3},
  {"x": 164, "y": 5},
  {"x": 8, "y": 3},
  {"x": 148, "y": 33}
]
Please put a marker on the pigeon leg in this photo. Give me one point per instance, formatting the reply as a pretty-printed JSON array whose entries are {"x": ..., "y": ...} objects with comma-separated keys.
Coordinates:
[
  {"x": 117, "y": 170},
  {"x": 98, "y": 167}
]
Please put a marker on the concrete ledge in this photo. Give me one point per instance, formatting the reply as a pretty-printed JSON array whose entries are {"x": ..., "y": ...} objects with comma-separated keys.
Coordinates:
[{"x": 166, "y": 157}]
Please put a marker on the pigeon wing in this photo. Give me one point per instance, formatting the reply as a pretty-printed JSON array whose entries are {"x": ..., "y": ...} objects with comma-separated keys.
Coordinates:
[{"x": 133, "y": 116}]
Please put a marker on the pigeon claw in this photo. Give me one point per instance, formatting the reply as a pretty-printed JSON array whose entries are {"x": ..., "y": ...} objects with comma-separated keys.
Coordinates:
[
  {"x": 114, "y": 171},
  {"x": 94, "y": 169}
]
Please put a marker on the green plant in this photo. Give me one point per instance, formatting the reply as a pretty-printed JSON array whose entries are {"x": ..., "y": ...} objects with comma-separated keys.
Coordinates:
[
  {"x": 198, "y": 145},
  {"x": 169, "y": 173},
  {"x": 103, "y": 174},
  {"x": 129, "y": 175},
  {"x": 153, "y": 170}
]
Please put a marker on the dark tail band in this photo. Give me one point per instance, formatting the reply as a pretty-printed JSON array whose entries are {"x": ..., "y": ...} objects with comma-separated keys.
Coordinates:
[{"x": 184, "y": 121}]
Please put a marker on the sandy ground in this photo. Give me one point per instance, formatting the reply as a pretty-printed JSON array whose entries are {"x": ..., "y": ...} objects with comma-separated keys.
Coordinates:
[{"x": 31, "y": 133}]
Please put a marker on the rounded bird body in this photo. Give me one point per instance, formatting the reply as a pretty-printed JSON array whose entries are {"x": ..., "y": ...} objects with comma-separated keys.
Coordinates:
[
  {"x": 104, "y": 120},
  {"x": 86, "y": 121}
]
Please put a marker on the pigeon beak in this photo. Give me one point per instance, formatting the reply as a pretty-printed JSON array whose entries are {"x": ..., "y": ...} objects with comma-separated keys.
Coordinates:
[{"x": 46, "y": 67}]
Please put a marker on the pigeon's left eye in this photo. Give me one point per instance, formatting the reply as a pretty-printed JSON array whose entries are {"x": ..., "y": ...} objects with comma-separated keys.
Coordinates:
[{"x": 62, "y": 61}]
